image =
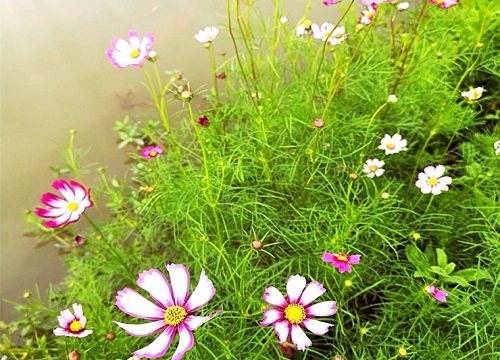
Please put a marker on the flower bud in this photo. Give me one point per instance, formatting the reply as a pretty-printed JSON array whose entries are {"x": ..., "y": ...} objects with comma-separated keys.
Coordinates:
[
  {"x": 392, "y": 99},
  {"x": 110, "y": 336},
  {"x": 257, "y": 244},
  {"x": 74, "y": 355},
  {"x": 203, "y": 121},
  {"x": 319, "y": 123},
  {"x": 353, "y": 176}
]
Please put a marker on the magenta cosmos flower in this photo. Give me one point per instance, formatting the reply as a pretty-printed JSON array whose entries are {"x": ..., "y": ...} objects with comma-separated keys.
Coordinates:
[
  {"x": 170, "y": 314},
  {"x": 444, "y": 3},
  {"x": 295, "y": 311},
  {"x": 68, "y": 210},
  {"x": 72, "y": 324},
  {"x": 152, "y": 151},
  {"x": 439, "y": 295},
  {"x": 131, "y": 53},
  {"x": 341, "y": 261}
]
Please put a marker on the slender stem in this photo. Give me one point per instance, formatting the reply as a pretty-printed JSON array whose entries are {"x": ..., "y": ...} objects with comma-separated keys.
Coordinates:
[
  {"x": 71, "y": 157},
  {"x": 369, "y": 125},
  {"x": 264, "y": 347},
  {"x": 108, "y": 245},
  {"x": 214, "y": 72},
  {"x": 154, "y": 96},
  {"x": 163, "y": 109}
]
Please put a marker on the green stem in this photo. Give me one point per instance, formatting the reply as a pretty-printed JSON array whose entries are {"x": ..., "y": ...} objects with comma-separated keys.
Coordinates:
[
  {"x": 214, "y": 73},
  {"x": 154, "y": 95},
  {"x": 264, "y": 347},
  {"x": 71, "y": 157},
  {"x": 369, "y": 125}
]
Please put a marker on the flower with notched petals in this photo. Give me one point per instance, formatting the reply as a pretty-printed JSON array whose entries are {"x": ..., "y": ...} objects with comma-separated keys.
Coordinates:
[
  {"x": 373, "y": 167},
  {"x": 131, "y": 53},
  {"x": 432, "y": 180},
  {"x": 72, "y": 325},
  {"x": 341, "y": 261}
]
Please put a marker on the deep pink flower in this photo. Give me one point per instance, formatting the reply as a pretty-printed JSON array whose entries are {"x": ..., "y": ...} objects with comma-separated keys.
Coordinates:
[
  {"x": 203, "y": 121},
  {"x": 79, "y": 240},
  {"x": 221, "y": 75},
  {"x": 444, "y": 3},
  {"x": 72, "y": 324},
  {"x": 172, "y": 312},
  {"x": 295, "y": 311},
  {"x": 68, "y": 210},
  {"x": 341, "y": 261},
  {"x": 439, "y": 295},
  {"x": 131, "y": 53},
  {"x": 151, "y": 151}
]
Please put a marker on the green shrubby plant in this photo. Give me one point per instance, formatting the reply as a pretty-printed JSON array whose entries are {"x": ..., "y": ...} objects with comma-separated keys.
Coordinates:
[{"x": 361, "y": 165}]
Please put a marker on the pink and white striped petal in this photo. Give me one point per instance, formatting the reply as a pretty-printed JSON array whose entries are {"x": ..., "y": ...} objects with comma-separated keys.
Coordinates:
[
  {"x": 271, "y": 315},
  {"x": 274, "y": 297},
  {"x": 159, "y": 346},
  {"x": 63, "y": 187},
  {"x": 313, "y": 291},
  {"x": 316, "y": 327},
  {"x": 52, "y": 200},
  {"x": 282, "y": 329},
  {"x": 186, "y": 342},
  {"x": 79, "y": 190},
  {"x": 61, "y": 220},
  {"x": 202, "y": 294},
  {"x": 142, "y": 329},
  {"x": 48, "y": 213},
  {"x": 179, "y": 279},
  {"x": 193, "y": 322},
  {"x": 65, "y": 318},
  {"x": 156, "y": 284},
  {"x": 134, "y": 304},
  {"x": 325, "y": 308},
  {"x": 294, "y": 287},
  {"x": 299, "y": 338}
]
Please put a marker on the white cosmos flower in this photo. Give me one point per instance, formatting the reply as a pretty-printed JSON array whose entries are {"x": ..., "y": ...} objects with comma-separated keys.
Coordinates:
[
  {"x": 496, "y": 145},
  {"x": 392, "y": 144},
  {"x": 473, "y": 94},
  {"x": 373, "y": 167},
  {"x": 303, "y": 28},
  {"x": 207, "y": 35},
  {"x": 403, "y": 6},
  {"x": 328, "y": 32},
  {"x": 433, "y": 181}
]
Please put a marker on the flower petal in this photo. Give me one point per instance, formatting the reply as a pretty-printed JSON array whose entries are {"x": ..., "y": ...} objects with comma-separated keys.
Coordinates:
[
  {"x": 63, "y": 187},
  {"x": 50, "y": 213},
  {"x": 316, "y": 327},
  {"x": 186, "y": 342},
  {"x": 294, "y": 287},
  {"x": 194, "y": 322},
  {"x": 353, "y": 259},
  {"x": 273, "y": 296},
  {"x": 179, "y": 279},
  {"x": 429, "y": 171},
  {"x": 446, "y": 180},
  {"x": 313, "y": 291},
  {"x": 327, "y": 257},
  {"x": 271, "y": 316},
  {"x": 60, "y": 221},
  {"x": 134, "y": 304},
  {"x": 282, "y": 329},
  {"x": 325, "y": 308},
  {"x": 142, "y": 329},
  {"x": 52, "y": 200},
  {"x": 439, "y": 171},
  {"x": 159, "y": 346},
  {"x": 79, "y": 190},
  {"x": 300, "y": 338},
  {"x": 202, "y": 294},
  {"x": 156, "y": 284}
]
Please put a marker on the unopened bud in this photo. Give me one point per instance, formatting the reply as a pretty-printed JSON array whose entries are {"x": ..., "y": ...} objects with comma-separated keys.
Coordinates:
[
  {"x": 319, "y": 123},
  {"x": 110, "y": 336},
  {"x": 257, "y": 244},
  {"x": 74, "y": 355},
  {"x": 392, "y": 98}
]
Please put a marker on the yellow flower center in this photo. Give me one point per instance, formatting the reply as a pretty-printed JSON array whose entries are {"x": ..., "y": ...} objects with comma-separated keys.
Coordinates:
[
  {"x": 307, "y": 23},
  {"x": 174, "y": 315},
  {"x": 295, "y": 313},
  {"x": 373, "y": 168},
  {"x": 72, "y": 206},
  {"x": 391, "y": 146},
  {"x": 75, "y": 326},
  {"x": 153, "y": 153},
  {"x": 432, "y": 181},
  {"x": 134, "y": 53},
  {"x": 439, "y": 2},
  {"x": 342, "y": 258},
  {"x": 475, "y": 94}
]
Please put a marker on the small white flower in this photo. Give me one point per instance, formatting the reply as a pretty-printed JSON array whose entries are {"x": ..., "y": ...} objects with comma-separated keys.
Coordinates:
[
  {"x": 392, "y": 144},
  {"x": 403, "y": 6},
  {"x": 373, "y": 167},
  {"x": 473, "y": 94},
  {"x": 432, "y": 180},
  {"x": 207, "y": 35},
  {"x": 328, "y": 32},
  {"x": 392, "y": 98},
  {"x": 304, "y": 28},
  {"x": 496, "y": 145},
  {"x": 283, "y": 19}
]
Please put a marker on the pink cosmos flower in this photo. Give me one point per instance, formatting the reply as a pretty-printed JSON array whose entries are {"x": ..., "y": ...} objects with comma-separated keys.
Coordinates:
[
  {"x": 132, "y": 53},
  {"x": 151, "y": 151},
  {"x": 444, "y": 3},
  {"x": 368, "y": 15},
  {"x": 295, "y": 311},
  {"x": 68, "y": 210},
  {"x": 330, "y": 2},
  {"x": 439, "y": 295},
  {"x": 341, "y": 261},
  {"x": 432, "y": 180},
  {"x": 72, "y": 324},
  {"x": 170, "y": 314}
]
